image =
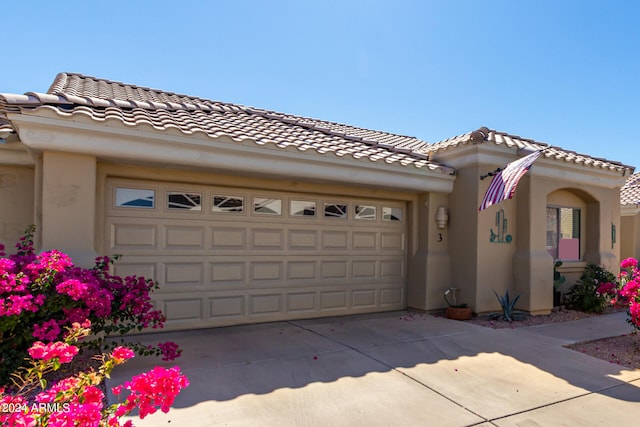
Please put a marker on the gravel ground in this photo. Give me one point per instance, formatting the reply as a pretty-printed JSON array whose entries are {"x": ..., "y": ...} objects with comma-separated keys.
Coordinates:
[{"x": 623, "y": 350}]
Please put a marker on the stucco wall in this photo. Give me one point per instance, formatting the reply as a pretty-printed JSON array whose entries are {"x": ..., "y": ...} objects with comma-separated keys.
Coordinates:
[
  {"x": 16, "y": 207},
  {"x": 429, "y": 274},
  {"x": 628, "y": 236},
  {"x": 68, "y": 205},
  {"x": 463, "y": 234}
]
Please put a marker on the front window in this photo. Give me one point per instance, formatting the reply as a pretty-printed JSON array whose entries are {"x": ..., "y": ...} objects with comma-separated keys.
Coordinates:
[{"x": 563, "y": 233}]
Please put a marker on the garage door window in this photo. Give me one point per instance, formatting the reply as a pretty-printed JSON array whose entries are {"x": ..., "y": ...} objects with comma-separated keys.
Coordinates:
[
  {"x": 391, "y": 214},
  {"x": 135, "y": 198},
  {"x": 233, "y": 204},
  {"x": 184, "y": 201},
  {"x": 302, "y": 208},
  {"x": 335, "y": 210},
  {"x": 365, "y": 212},
  {"x": 267, "y": 206}
]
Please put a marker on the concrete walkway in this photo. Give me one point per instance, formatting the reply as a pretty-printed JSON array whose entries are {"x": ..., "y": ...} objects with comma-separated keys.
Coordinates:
[{"x": 395, "y": 369}]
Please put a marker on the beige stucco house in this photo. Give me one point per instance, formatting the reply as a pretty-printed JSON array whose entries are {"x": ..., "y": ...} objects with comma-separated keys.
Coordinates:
[{"x": 246, "y": 215}]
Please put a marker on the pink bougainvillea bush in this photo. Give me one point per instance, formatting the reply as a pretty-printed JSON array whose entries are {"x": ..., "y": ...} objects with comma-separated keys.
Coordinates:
[
  {"x": 626, "y": 292},
  {"x": 42, "y": 294},
  {"x": 77, "y": 400}
]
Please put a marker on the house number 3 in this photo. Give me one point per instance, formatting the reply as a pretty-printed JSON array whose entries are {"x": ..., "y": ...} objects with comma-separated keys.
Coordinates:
[{"x": 440, "y": 237}]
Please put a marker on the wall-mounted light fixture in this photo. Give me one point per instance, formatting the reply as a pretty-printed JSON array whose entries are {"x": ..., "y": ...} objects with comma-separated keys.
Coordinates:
[{"x": 442, "y": 217}]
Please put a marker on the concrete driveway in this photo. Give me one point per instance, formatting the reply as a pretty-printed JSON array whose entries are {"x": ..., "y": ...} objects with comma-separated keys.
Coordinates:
[{"x": 395, "y": 369}]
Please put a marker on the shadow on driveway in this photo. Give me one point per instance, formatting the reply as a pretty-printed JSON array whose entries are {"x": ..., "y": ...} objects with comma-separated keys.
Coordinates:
[{"x": 384, "y": 369}]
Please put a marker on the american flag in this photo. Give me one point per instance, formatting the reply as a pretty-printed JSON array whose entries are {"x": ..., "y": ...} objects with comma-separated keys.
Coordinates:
[{"x": 504, "y": 184}]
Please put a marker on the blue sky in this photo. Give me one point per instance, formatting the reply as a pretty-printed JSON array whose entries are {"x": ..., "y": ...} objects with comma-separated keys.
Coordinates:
[{"x": 565, "y": 72}]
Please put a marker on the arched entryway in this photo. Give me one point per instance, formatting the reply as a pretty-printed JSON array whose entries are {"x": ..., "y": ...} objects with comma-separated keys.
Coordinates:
[{"x": 572, "y": 232}]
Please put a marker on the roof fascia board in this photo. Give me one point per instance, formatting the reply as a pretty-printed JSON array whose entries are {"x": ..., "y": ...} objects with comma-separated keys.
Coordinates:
[{"x": 117, "y": 142}]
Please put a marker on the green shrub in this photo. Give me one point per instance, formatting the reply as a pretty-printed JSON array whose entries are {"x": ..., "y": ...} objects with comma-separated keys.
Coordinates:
[{"x": 583, "y": 296}]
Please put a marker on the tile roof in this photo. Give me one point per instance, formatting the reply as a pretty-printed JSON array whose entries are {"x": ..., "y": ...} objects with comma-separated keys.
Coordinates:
[
  {"x": 630, "y": 191},
  {"x": 73, "y": 94},
  {"x": 501, "y": 138}
]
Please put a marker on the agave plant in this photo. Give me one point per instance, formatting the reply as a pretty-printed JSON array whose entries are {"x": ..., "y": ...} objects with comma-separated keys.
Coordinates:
[{"x": 509, "y": 313}]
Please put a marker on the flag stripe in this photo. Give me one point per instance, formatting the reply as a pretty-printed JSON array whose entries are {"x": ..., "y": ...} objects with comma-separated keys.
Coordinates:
[{"x": 503, "y": 185}]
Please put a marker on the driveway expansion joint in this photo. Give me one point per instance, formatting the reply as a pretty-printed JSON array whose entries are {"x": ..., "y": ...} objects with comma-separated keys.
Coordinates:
[{"x": 392, "y": 368}]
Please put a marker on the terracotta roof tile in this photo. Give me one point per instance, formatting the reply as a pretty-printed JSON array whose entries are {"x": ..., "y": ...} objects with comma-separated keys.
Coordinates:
[
  {"x": 630, "y": 191},
  {"x": 501, "y": 138},
  {"x": 102, "y": 100}
]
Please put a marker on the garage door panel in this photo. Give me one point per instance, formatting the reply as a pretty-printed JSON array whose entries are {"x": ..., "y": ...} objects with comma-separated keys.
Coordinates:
[
  {"x": 303, "y": 240},
  {"x": 183, "y": 237},
  {"x": 225, "y": 238},
  {"x": 268, "y": 304},
  {"x": 394, "y": 268},
  {"x": 227, "y": 307},
  {"x": 333, "y": 269},
  {"x": 392, "y": 241},
  {"x": 335, "y": 239},
  {"x": 184, "y": 273},
  {"x": 365, "y": 240},
  {"x": 267, "y": 238},
  {"x": 364, "y": 298},
  {"x": 364, "y": 269},
  {"x": 182, "y": 310},
  {"x": 265, "y": 271},
  {"x": 301, "y": 270},
  {"x": 298, "y": 302},
  {"x": 333, "y": 300},
  {"x": 133, "y": 236},
  {"x": 391, "y": 297},
  {"x": 228, "y": 272}
]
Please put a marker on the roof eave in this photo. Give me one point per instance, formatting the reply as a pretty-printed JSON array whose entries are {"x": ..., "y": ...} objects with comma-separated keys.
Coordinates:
[{"x": 116, "y": 141}]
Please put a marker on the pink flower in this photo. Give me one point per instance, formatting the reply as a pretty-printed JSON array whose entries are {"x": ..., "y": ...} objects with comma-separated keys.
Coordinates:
[
  {"x": 76, "y": 314},
  {"x": 634, "y": 310},
  {"x": 7, "y": 266},
  {"x": 607, "y": 288},
  {"x": 629, "y": 263},
  {"x": 74, "y": 288},
  {"x": 16, "y": 304},
  {"x": 77, "y": 414},
  {"x": 48, "y": 331},
  {"x": 169, "y": 350},
  {"x": 630, "y": 289},
  {"x": 69, "y": 384},
  {"x": 55, "y": 260},
  {"x": 120, "y": 354},
  {"x": 62, "y": 351},
  {"x": 156, "y": 388},
  {"x": 15, "y": 418}
]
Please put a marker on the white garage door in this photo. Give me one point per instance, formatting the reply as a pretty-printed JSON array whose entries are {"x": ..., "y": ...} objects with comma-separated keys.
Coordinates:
[{"x": 228, "y": 256}]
